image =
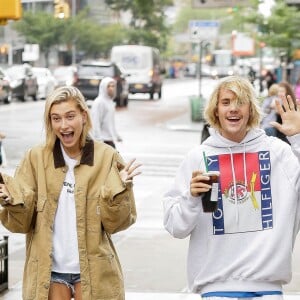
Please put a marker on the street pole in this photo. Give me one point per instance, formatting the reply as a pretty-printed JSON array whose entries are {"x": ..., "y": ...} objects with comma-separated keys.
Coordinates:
[
  {"x": 200, "y": 68},
  {"x": 202, "y": 44},
  {"x": 73, "y": 43}
]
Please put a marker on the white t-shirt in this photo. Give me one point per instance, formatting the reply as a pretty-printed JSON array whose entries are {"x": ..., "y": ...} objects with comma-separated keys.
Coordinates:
[{"x": 65, "y": 243}]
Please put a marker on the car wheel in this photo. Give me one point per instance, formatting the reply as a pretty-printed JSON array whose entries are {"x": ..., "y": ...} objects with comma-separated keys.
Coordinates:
[
  {"x": 159, "y": 93},
  {"x": 152, "y": 94},
  {"x": 126, "y": 101},
  {"x": 34, "y": 97},
  {"x": 25, "y": 95},
  {"x": 8, "y": 99},
  {"x": 118, "y": 101}
]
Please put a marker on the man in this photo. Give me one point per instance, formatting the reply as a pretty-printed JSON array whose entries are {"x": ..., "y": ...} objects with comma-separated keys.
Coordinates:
[
  {"x": 243, "y": 249},
  {"x": 103, "y": 113}
]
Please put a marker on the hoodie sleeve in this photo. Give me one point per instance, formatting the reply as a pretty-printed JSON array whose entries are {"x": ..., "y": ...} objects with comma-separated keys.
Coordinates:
[
  {"x": 181, "y": 209},
  {"x": 295, "y": 144},
  {"x": 97, "y": 116}
]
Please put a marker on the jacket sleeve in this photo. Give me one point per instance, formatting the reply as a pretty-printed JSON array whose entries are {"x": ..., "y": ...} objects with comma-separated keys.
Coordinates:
[
  {"x": 181, "y": 209},
  {"x": 118, "y": 209},
  {"x": 17, "y": 215}
]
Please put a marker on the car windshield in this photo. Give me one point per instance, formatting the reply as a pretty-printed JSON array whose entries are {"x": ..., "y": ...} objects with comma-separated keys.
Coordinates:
[
  {"x": 63, "y": 72},
  {"x": 16, "y": 72},
  {"x": 131, "y": 60},
  {"x": 90, "y": 71},
  {"x": 40, "y": 72}
]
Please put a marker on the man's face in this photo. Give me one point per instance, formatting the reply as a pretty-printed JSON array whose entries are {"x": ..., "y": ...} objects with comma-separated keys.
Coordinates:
[
  {"x": 111, "y": 90},
  {"x": 233, "y": 116}
]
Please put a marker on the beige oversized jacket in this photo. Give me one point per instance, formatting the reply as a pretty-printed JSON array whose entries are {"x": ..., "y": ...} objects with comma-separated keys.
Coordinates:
[{"x": 104, "y": 205}]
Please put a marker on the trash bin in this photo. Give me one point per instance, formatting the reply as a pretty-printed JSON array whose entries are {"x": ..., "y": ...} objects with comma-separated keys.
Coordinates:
[{"x": 197, "y": 107}]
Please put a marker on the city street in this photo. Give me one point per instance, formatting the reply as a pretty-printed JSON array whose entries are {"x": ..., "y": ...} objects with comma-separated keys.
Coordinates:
[{"x": 158, "y": 133}]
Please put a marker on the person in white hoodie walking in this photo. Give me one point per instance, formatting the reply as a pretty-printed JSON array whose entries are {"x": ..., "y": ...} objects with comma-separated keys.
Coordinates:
[
  {"x": 103, "y": 113},
  {"x": 243, "y": 249}
]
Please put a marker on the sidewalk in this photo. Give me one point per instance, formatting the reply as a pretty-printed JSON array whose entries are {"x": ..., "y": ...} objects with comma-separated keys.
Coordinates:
[{"x": 15, "y": 294}]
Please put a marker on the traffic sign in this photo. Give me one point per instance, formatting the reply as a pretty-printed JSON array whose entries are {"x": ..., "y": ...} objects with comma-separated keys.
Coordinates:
[
  {"x": 203, "y": 29},
  {"x": 219, "y": 3}
]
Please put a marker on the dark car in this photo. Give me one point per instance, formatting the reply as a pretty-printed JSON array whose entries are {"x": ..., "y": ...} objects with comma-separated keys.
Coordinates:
[
  {"x": 23, "y": 82},
  {"x": 90, "y": 74},
  {"x": 5, "y": 91}
]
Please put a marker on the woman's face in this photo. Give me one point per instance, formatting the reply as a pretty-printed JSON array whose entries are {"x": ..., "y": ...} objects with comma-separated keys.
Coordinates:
[{"x": 67, "y": 122}]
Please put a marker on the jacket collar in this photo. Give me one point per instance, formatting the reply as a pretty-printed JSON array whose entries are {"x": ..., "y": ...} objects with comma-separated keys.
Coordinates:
[{"x": 87, "y": 157}]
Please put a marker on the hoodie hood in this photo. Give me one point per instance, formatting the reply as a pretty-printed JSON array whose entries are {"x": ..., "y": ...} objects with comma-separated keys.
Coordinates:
[
  {"x": 252, "y": 137},
  {"x": 102, "y": 93}
]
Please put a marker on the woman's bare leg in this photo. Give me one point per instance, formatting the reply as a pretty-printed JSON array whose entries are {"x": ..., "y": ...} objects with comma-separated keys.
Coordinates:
[
  {"x": 78, "y": 295},
  {"x": 59, "y": 291}
]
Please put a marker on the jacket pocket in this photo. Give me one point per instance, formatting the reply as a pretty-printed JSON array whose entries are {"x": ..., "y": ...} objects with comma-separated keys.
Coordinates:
[
  {"x": 106, "y": 277},
  {"x": 30, "y": 279},
  {"x": 39, "y": 212}
]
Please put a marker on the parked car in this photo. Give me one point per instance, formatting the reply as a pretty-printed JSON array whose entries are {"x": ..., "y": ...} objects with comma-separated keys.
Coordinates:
[
  {"x": 65, "y": 75},
  {"x": 46, "y": 81},
  {"x": 23, "y": 82},
  {"x": 90, "y": 74},
  {"x": 5, "y": 90}
]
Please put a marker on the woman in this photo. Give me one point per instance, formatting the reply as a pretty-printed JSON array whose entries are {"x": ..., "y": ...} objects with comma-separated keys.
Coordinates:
[
  {"x": 69, "y": 196},
  {"x": 268, "y": 108}
]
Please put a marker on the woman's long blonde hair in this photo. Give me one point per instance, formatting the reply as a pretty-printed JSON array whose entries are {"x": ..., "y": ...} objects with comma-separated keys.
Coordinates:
[
  {"x": 244, "y": 92},
  {"x": 63, "y": 94}
]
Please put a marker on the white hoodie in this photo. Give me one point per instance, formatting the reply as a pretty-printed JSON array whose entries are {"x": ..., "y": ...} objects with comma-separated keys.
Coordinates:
[
  {"x": 246, "y": 245},
  {"x": 103, "y": 114}
]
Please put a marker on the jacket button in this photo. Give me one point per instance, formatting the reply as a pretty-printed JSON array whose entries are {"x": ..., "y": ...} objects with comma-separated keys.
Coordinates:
[{"x": 46, "y": 286}]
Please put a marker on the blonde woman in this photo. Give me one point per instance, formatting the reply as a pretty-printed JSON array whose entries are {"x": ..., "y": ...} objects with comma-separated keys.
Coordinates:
[{"x": 68, "y": 196}]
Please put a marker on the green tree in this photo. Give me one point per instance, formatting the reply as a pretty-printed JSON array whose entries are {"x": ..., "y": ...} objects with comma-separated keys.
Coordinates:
[
  {"x": 41, "y": 28},
  {"x": 147, "y": 25},
  {"x": 279, "y": 30},
  {"x": 89, "y": 37}
]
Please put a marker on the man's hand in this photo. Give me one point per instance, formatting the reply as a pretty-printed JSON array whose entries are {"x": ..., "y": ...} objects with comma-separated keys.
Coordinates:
[
  {"x": 198, "y": 185},
  {"x": 290, "y": 115}
]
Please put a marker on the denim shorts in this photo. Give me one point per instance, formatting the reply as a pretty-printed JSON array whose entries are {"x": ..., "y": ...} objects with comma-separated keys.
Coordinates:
[{"x": 66, "y": 278}]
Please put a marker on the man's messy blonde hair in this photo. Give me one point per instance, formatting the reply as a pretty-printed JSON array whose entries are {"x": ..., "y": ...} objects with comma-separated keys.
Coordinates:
[{"x": 244, "y": 92}]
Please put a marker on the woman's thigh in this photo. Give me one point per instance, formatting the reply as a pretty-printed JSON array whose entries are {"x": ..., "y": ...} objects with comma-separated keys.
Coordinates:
[{"x": 59, "y": 291}]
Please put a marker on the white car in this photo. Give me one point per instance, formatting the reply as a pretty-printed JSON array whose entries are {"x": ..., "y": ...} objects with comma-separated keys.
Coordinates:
[{"x": 46, "y": 82}]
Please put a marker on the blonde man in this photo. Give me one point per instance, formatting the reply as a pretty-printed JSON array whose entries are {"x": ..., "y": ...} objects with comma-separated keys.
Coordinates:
[{"x": 233, "y": 251}]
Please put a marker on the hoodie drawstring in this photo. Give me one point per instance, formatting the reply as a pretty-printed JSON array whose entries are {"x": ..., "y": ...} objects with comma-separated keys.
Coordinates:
[
  {"x": 234, "y": 180},
  {"x": 234, "y": 187}
]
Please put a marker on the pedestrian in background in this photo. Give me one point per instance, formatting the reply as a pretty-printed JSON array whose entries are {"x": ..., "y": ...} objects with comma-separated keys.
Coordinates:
[
  {"x": 68, "y": 196},
  {"x": 233, "y": 250},
  {"x": 2, "y": 151},
  {"x": 297, "y": 89},
  {"x": 103, "y": 113},
  {"x": 270, "y": 78},
  {"x": 269, "y": 111}
]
